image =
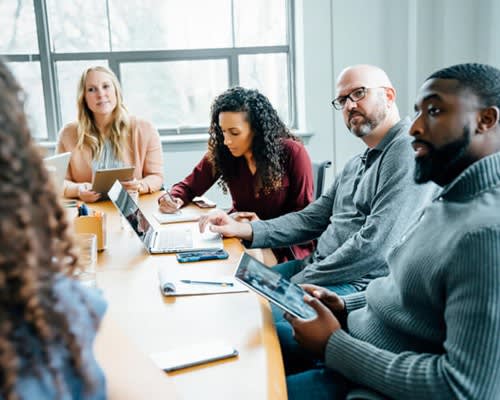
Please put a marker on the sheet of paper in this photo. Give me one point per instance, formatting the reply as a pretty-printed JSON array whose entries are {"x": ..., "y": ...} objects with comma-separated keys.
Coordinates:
[{"x": 179, "y": 216}]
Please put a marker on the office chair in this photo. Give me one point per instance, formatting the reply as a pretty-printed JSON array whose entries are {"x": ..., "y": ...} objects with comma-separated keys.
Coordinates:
[{"x": 318, "y": 168}]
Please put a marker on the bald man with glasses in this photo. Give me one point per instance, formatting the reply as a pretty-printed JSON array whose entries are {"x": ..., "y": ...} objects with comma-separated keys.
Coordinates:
[{"x": 367, "y": 207}]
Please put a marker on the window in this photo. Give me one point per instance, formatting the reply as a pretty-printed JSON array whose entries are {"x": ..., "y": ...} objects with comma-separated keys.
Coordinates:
[{"x": 172, "y": 57}]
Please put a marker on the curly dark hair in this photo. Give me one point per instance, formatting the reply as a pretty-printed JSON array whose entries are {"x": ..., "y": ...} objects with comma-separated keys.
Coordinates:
[
  {"x": 35, "y": 250},
  {"x": 267, "y": 147}
]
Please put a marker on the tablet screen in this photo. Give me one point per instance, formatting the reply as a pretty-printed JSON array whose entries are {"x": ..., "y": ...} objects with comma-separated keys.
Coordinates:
[{"x": 270, "y": 284}]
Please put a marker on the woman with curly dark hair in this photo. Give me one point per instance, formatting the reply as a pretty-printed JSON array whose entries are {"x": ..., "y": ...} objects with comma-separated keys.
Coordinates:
[
  {"x": 48, "y": 321},
  {"x": 252, "y": 153}
]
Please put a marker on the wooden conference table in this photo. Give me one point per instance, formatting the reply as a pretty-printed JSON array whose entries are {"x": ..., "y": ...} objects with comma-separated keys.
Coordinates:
[{"x": 128, "y": 276}]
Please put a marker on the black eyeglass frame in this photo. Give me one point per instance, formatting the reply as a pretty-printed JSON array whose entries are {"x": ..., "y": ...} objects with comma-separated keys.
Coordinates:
[{"x": 340, "y": 102}]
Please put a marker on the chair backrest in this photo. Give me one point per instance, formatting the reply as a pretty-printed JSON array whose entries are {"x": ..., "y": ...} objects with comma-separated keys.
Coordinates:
[{"x": 318, "y": 168}]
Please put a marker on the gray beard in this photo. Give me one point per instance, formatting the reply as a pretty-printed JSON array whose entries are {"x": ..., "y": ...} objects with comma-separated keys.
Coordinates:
[
  {"x": 363, "y": 130},
  {"x": 370, "y": 123}
]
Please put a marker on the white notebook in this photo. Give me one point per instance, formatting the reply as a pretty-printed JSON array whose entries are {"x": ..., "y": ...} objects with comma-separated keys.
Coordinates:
[
  {"x": 180, "y": 216},
  {"x": 175, "y": 285}
]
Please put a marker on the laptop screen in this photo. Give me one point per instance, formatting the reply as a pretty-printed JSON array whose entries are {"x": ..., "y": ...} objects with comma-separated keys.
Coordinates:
[
  {"x": 58, "y": 166},
  {"x": 132, "y": 213}
]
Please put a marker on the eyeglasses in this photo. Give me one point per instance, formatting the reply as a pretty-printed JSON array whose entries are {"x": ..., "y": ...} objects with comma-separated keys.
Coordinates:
[{"x": 355, "y": 96}]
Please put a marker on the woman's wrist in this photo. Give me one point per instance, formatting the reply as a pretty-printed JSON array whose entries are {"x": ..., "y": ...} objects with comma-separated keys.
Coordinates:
[
  {"x": 83, "y": 187},
  {"x": 141, "y": 188}
]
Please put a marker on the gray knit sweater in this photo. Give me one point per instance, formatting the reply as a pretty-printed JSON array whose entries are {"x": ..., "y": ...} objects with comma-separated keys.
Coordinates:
[
  {"x": 358, "y": 219},
  {"x": 431, "y": 328}
]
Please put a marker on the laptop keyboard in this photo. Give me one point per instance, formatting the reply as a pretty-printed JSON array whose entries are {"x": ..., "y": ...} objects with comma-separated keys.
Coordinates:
[{"x": 176, "y": 239}]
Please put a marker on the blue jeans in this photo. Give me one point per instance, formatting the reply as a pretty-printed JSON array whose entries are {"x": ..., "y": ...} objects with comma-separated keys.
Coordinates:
[
  {"x": 306, "y": 376},
  {"x": 317, "y": 384}
]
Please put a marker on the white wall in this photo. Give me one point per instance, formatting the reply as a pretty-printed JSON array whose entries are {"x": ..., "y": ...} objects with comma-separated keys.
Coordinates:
[{"x": 409, "y": 39}]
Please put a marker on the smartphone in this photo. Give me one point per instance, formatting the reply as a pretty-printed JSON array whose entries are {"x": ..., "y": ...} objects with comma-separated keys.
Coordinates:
[
  {"x": 203, "y": 202},
  {"x": 184, "y": 357},
  {"x": 202, "y": 255}
]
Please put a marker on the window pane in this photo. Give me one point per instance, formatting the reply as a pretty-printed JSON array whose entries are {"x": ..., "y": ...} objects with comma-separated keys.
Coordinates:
[
  {"x": 68, "y": 76},
  {"x": 17, "y": 22},
  {"x": 29, "y": 76},
  {"x": 78, "y": 25},
  {"x": 269, "y": 74},
  {"x": 170, "y": 24},
  {"x": 173, "y": 94},
  {"x": 260, "y": 22}
]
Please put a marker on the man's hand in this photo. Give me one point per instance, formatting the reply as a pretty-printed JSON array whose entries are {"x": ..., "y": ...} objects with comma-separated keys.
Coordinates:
[
  {"x": 222, "y": 223},
  {"x": 330, "y": 299},
  {"x": 313, "y": 334}
]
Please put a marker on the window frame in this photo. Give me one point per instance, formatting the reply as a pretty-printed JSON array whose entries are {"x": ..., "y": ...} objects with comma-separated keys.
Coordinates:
[{"x": 48, "y": 60}]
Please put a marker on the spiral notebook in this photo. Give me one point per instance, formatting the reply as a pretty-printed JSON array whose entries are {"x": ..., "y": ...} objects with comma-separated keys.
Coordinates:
[{"x": 175, "y": 285}]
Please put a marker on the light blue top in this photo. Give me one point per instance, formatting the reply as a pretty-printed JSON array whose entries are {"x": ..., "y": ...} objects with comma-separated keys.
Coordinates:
[
  {"x": 36, "y": 382},
  {"x": 107, "y": 159}
]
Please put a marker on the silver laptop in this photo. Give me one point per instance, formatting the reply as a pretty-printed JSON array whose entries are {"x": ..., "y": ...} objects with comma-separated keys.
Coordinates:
[
  {"x": 173, "y": 240},
  {"x": 58, "y": 166}
]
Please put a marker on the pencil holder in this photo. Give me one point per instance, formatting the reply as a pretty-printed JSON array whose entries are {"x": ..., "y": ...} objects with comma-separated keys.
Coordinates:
[{"x": 93, "y": 224}]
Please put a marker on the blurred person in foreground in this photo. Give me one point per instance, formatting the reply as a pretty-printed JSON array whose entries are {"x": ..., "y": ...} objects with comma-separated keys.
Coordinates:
[{"x": 56, "y": 338}]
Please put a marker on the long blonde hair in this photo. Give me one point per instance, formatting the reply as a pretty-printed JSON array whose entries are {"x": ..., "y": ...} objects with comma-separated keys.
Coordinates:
[{"x": 87, "y": 131}]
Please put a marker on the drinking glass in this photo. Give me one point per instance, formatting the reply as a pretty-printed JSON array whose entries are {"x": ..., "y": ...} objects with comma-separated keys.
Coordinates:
[{"x": 86, "y": 244}]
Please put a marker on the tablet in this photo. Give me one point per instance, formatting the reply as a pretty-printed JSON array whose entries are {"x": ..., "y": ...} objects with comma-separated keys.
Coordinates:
[
  {"x": 104, "y": 178},
  {"x": 271, "y": 285}
]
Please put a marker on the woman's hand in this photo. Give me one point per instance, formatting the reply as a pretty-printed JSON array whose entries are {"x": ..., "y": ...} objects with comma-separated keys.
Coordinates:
[
  {"x": 132, "y": 185},
  {"x": 87, "y": 195},
  {"x": 169, "y": 204}
]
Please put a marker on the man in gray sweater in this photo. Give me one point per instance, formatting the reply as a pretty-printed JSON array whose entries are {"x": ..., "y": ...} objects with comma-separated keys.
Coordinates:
[
  {"x": 369, "y": 204},
  {"x": 430, "y": 329}
]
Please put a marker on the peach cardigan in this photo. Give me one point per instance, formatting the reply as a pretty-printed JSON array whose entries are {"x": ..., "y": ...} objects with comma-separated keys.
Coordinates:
[{"x": 145, "y": 152}]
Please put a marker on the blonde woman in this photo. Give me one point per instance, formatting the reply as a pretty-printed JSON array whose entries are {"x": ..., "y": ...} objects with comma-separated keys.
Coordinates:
[{"x": 106, "y": 136}]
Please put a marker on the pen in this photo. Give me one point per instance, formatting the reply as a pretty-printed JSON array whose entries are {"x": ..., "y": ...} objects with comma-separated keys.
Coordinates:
[
  {"x": 207, "y": 282},
  {"x": 171, "y": 198},
  {"x": 70, "y": 203}
]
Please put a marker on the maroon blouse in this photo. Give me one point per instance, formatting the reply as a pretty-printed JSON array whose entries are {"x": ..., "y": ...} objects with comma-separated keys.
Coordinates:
[{"x": 295, "y": 193}]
